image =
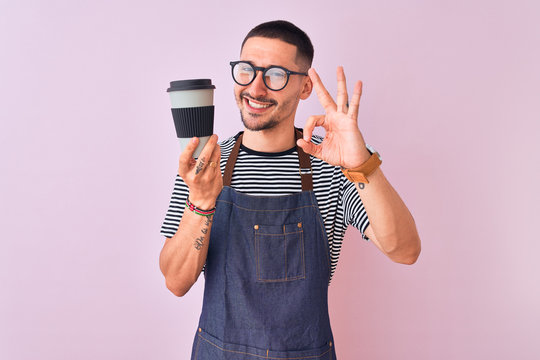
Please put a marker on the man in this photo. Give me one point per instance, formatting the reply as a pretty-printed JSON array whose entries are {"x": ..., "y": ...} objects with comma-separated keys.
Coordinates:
[{"x": 267, "y": 228}]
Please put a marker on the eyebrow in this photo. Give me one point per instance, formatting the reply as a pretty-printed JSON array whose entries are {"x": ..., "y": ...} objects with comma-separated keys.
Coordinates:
[{"x": 266, "y": 67}]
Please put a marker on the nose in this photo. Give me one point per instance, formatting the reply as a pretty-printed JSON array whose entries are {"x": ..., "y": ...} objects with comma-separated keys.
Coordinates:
[{"x": 257, "y": 88}]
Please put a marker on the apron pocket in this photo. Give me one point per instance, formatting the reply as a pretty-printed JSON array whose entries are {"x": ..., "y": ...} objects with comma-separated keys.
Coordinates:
[
  {"x": 209, "y": 347},
  {"x": 279, "y": 252}
]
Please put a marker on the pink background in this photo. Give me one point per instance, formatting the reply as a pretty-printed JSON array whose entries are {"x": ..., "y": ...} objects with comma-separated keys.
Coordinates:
[{"x": 451, "y": 100}]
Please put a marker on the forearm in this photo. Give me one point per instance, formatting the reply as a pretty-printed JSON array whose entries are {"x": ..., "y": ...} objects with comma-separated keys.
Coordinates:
[
  {"x": 390, "y": 219},
  {"x": 184, "y": 255}
]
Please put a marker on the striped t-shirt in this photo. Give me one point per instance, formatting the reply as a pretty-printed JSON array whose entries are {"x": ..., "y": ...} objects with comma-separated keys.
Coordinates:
[{"x": 268, "y": 174}]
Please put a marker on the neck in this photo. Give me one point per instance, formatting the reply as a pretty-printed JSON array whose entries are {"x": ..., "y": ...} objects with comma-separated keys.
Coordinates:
[{"x": 270, "y": 140}]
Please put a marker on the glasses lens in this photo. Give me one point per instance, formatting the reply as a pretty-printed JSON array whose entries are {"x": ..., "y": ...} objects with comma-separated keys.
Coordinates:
[
  {"x": 275, "y": 78},
  {"x": 243, "y": 73}
]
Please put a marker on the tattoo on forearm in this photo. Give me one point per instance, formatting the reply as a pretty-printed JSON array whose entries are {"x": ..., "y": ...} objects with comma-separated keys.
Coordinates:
[
  {"x": 200, "y": 166},
  {"x": 199, "y": 242}
]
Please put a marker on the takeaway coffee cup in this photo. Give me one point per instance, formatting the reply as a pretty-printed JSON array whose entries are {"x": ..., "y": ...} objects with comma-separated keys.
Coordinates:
[{"x": 192, "y": 106}]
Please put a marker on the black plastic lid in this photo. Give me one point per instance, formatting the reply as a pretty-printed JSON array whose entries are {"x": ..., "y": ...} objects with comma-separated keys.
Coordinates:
[{"x": 193, "y": 84}]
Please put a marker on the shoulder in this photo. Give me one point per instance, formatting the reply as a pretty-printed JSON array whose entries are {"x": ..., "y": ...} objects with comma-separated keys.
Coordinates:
[{"x": 227, "y": 145}]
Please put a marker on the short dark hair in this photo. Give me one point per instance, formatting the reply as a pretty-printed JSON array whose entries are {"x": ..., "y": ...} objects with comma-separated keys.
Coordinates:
[{"x": 288, "y": 32}]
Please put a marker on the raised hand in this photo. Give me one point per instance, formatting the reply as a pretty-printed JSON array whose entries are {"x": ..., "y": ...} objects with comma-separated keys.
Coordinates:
[{"x": 343, "y": 144}]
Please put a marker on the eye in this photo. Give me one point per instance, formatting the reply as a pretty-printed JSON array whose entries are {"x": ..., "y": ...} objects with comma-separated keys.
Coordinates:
[
  {"x": 245, "y": 68},
  {"x": 276, "y": 74}
]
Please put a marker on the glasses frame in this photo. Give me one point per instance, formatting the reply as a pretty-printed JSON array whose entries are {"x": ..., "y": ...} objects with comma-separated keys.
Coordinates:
[{"x": 264, "y": 70}]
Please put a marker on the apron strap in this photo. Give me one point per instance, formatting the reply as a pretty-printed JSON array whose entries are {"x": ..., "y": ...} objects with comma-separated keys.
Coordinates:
[
  {"x": 227, "y": 175},
  {"x": 303, "y": 159},
  {"x": 305, "y": 165}
]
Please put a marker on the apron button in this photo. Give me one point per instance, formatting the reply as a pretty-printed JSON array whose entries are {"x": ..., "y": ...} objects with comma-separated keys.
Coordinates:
[
  {"x": 256, "y": 227},
  {"x": 330, "y": 343},
  {"x": 299, "y": 224},
  {"x": 200, "y": 329}
]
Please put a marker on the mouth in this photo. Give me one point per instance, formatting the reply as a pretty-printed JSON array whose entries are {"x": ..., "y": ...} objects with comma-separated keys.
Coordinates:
[{"x": 256, "y": 107}]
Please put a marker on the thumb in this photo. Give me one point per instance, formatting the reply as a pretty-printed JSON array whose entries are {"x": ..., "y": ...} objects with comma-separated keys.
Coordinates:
[{"x": 309, "y": 147}]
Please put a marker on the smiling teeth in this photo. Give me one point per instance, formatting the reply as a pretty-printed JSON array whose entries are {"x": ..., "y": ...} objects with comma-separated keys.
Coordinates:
[{"x": 257, "y": 106}]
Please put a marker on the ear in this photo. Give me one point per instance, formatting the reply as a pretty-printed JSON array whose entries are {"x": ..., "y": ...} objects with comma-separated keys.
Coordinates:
[{"x": 306, "y": 89}]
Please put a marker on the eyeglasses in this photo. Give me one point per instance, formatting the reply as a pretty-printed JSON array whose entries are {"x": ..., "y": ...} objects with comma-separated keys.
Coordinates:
[{"x": 275, "y": 77}]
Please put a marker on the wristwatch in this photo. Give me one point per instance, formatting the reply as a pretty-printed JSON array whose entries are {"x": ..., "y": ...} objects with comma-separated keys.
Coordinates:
[{"x": 360, "y": 174}]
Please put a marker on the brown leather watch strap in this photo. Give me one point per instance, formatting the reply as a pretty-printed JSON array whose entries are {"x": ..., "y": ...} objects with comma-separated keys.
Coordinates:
[{"x": 361, "y": 173}]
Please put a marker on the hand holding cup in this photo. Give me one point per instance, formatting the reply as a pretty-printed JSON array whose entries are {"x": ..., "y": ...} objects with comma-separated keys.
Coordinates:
[{"x": 202, "y": 176}]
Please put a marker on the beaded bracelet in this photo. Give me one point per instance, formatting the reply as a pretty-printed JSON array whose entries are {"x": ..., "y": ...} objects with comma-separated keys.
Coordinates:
[{"x": 198, "y": 211}]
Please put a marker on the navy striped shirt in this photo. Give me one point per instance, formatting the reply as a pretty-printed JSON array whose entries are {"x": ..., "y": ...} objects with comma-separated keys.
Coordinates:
[{"x": 268, "y": 174}]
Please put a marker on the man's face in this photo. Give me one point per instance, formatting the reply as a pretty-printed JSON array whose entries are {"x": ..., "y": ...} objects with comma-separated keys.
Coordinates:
[{"x": 260, "y": 107}]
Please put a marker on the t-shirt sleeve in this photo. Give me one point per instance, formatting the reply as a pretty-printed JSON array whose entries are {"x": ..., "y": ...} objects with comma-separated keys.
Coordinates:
[
  {"x": 176, "y": 208},
  {"x": 353, "y": 208}
]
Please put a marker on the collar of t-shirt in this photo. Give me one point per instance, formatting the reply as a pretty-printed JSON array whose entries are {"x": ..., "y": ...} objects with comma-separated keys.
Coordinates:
[{"x": 260, "y": 153}]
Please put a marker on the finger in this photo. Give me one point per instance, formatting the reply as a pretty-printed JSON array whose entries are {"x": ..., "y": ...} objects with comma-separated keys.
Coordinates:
[
  {"x": 216, "y": 154},
  {"x": 355, "y": 101},
  {"x": 342, "y": 96},
  {"x": 324, "y": 97},
  {"x": 312, "y": 122},
  {"x": 186, "y": 157},
  {"x": 310, "y": 148},
  {"x": 206, "y": 152},
  {"x": 215, "y": 158}
]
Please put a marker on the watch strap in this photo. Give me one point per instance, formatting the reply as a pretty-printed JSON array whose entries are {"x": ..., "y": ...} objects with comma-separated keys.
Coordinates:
[{"x": 360, "y": 174}]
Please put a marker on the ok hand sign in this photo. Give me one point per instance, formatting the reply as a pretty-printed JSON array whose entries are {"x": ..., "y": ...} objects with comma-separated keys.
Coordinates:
[{"x": 343, "y": 144}]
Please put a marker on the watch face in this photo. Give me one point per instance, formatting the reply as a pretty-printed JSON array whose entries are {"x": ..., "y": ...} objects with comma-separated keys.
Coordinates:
[{"x": 373, "y": 151}]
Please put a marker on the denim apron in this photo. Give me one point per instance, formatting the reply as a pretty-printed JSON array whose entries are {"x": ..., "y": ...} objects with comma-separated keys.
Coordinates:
[{"x": 266, "y": 276}]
